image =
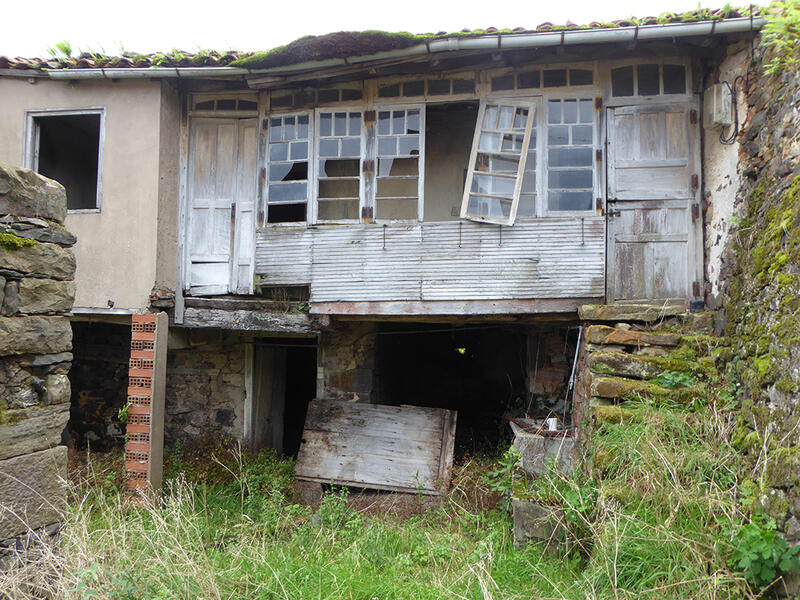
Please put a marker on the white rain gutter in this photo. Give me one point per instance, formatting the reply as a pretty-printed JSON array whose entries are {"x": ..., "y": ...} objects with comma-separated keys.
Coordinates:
[
  {"x": 503, "y": 41},
  {"x": 147, "y": 72}
]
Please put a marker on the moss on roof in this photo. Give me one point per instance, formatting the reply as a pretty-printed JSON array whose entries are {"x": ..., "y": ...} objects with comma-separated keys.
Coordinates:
[
  {"x": 341, "y": 44},
  {"x": 344, "y": 44}
]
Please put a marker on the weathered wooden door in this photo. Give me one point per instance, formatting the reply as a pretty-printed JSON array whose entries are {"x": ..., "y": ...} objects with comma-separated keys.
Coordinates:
[
  {"x": 221, "y": 198},
  {"x": 654, "y": 226}
]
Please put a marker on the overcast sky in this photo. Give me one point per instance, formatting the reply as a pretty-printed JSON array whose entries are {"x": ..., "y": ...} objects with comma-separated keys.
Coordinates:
[{"x": 29, "y": 28}]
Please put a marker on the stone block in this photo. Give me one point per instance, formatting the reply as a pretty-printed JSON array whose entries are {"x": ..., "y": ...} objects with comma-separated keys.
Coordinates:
[
  {"x": 10, "y": 303},
  {"x": 625, "y": 365},
  {"x": 602, "y": 334},
  {"x": 702, "y": 322},
  {"x": 646, "y": 312},
  {"x": 32, "y": 429},
  {"x": 38, "y": 296},
  {"x": 534, "y": 522},
  {"x": 43, "y": 231},
  {"x": 34, "y": 335},
  {"x": 618, "y": 388},
  {"x": 26, "y": 193},
  {"x": 44, "y": 260},
  {"x": 537, "y": 452},
  {"x": 32, "y": 491}
]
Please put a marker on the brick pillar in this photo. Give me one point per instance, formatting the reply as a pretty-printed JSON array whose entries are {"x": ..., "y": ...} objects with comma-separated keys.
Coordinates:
[{"x": 146, "y": 387}]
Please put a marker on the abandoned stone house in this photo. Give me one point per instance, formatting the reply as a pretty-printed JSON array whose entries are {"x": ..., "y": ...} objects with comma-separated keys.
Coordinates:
[{"x": 380, "y": 218}]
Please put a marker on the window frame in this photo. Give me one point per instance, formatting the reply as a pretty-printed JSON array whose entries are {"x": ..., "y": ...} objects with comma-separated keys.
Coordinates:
[
  {"x": 420, "y": 106},
  {"x": 532, "y": 103},
  {"x": 544, "y": 161},
  {"x": 30, "y": 151},
  {"x": 314, "y": 168},
  {"x": 267, "y": 164},
  {"x": 662, "y": 98}
]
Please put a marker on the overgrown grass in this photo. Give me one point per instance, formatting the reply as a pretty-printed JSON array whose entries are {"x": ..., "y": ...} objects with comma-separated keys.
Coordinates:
[{"x": 654, "y": 515}]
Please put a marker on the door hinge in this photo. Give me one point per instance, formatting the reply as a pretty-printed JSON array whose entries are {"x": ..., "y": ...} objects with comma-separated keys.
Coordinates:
[
  {"x": 265, "y": 124},
  {"x": 695, "y": 211},
  {"x": 260, "y": 218},
  {"x": 598, "y": 102},
  {"x": 370, "y": 116},
  {"x": 598, "y": 155},
  {"x": 368, "y": 166},
  {"x": 263, "y": 174},
  {"x": 598, "y": 205},
  {"x": 367, "y": 213},
  {"x": 693, "y": 117},
  {"x": 611, "y": 212},
  {"x": 696, "y": 289},
  {"x": 695, "y": 182}
]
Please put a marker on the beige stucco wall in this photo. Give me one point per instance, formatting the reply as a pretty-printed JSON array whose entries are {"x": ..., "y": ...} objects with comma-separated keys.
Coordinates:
[
  {"x": 721, "y": 176},
  {"x": 116, "y": 249}
]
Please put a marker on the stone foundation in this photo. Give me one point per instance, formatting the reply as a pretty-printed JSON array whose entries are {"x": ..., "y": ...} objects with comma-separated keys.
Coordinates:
[
  {"x": 36, "y": 289},
  {"x": 205, "y": 385}
]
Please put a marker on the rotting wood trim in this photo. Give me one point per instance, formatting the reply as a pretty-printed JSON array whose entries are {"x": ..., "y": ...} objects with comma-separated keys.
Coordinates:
[{"x": 248, "y": 320}]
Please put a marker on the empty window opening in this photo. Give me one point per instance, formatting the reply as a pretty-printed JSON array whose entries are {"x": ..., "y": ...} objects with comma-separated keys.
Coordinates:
[
  {"x": 284, "y": 382},
  {"x": 449, "y": 129},
  {"x": 99, "y": 382},
  {"x": 67, "y": 148},
  {"x": 648, "y": 80}
]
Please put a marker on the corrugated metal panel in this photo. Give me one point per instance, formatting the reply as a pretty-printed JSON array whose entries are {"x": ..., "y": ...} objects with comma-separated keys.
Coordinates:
[
  {"x": 283, "y": 256},
  {"x": 547, "y": 258}
]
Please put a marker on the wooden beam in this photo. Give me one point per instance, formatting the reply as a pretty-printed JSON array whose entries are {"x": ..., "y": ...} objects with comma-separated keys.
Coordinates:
[
  {"x": 463, "y": 308},
  {"x": 249, "y": 320}
]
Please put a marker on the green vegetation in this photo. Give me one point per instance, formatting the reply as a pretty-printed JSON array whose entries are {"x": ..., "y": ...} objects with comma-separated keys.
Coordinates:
[
  {"x": 11, "y": 242},
  {"x": 780, "y": 36}
]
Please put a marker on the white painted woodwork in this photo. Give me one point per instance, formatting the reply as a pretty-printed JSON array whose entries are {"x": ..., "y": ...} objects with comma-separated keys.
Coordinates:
[
  {"x": 541, "y": 258},
  {"x": 403, "y": 448},
  {"x": 652, "y": 239},
  {"x": 221, "y": 197}
]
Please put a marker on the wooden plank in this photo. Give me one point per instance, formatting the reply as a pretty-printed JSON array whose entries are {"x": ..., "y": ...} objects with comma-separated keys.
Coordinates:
[
  {"x": 460, "y": 308},
  {"x": 404, "y": 448},
  {"x": 248, "y": 320}
]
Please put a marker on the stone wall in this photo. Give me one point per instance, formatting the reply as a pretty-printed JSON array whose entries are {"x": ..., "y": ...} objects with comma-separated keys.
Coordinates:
[
  {"x": 205, "y": 385},
  {"x": 347, "y": 362},
  {"x": 762, "y": 292},
  {"x": 36, "y": 290}
]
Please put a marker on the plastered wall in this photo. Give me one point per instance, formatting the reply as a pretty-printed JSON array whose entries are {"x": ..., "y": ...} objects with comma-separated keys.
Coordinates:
[{"x": 116, "y": 249}]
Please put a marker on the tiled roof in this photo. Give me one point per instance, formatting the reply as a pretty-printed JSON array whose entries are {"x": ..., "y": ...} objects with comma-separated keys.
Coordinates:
[{"x": 332, "y": 45}]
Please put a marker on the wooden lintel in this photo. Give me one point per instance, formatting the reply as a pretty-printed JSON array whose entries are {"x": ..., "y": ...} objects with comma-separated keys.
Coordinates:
[
  {"x": 249, "y": 320},
  {"x": 443, "y": 308}
]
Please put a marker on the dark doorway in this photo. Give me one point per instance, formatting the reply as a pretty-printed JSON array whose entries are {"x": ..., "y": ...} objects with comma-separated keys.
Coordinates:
[
  {"x": 284, "y": 382},
  {"x": 99, "y": 381},
  {"x": 479, "y": 371}
]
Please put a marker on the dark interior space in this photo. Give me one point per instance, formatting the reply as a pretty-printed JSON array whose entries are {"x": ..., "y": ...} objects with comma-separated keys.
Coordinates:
[
  {"x": 99, "y": 380},
  {"x": 68, "y": 152},
  {"x": 479, "y": 371},
  {"x": 285, "y": 382},
  {"x": 449, "y": 129}
]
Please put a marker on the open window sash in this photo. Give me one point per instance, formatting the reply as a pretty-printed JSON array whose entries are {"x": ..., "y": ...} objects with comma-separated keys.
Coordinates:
[{"x": 497, "y": 161}]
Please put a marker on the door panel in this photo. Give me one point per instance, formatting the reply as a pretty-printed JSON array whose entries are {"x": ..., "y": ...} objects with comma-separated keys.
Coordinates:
[
  {"x": 221, "y": 193},
  {"x": 653, "y": 239}
]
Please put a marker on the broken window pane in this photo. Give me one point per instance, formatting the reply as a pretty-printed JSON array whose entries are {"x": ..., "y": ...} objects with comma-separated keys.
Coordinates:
[
  {"x": 338, "y": 188},
  {"x": 339, "y": 168},
  {"x": 648, "y": 79},
  {"x": 388, "y": 167},
  {"x": 674, "y": 79},
  {"x": 287, "y": 169},
  {"x": 395, "y": 187},
  {"x": 338, "y": 210},
  {"x": 409, "y": 144},
  {"x": 412, "y": 122},
  {"x": 622, "y": 81},
  {"x": 397, "y": 209},
  {"x": 492, "y": 188}
]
